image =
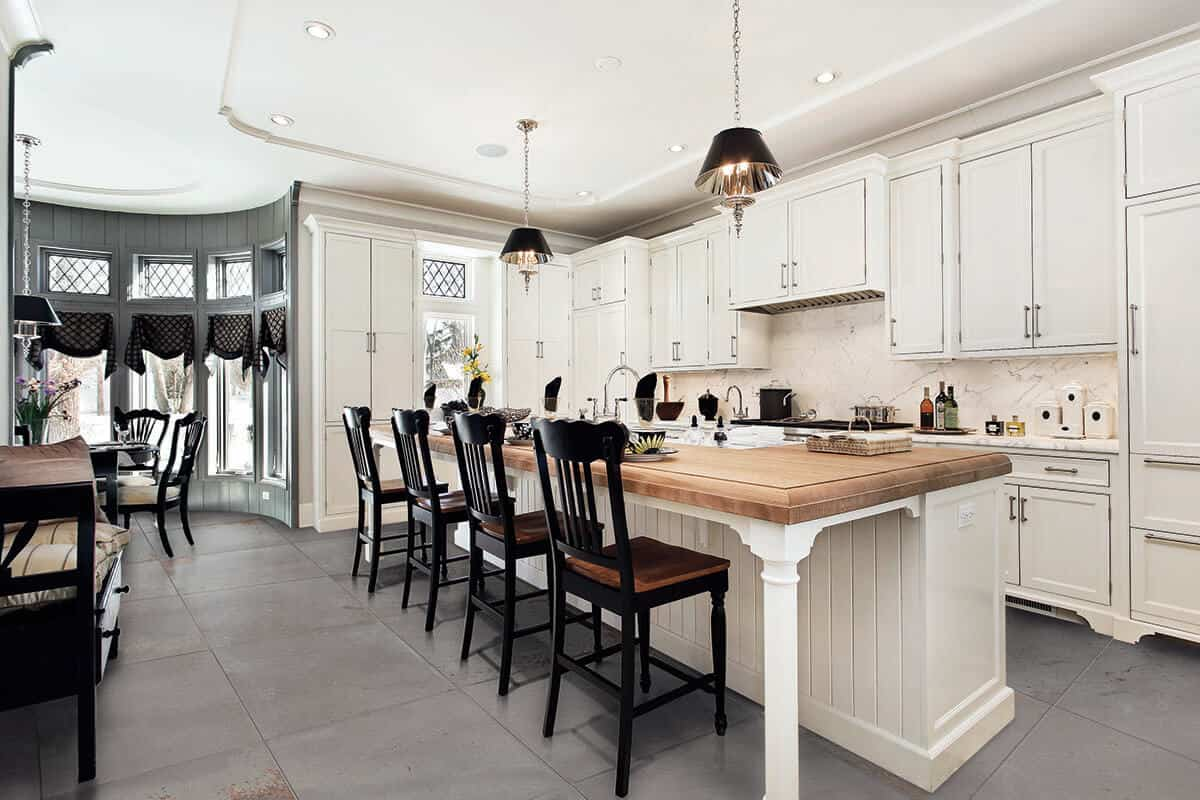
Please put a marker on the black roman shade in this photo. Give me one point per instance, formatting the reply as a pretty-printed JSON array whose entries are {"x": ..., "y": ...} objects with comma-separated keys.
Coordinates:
[
  {"x": 231, "y": 336},
  {"x": 165, "y": 335},
  {"x": 82, "y": 334},
  {"x": 272, "y": 338}
]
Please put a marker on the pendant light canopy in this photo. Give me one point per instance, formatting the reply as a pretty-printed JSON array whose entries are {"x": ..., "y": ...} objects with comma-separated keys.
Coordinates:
[
  {"x": 29, "y": 311},
  {"x": 526, "y": 247},
  {"x": 739, "y": 164}
]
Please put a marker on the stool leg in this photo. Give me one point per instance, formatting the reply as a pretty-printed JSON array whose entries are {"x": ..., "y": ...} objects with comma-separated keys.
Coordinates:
[
  {"x": 644, "y": 646},
  {"x": 439, "y": 553},
  {"x": 718, "y": 651},
  {"x": 183, "y": 515},
  {"x": 472, "y": 587},
  {"x": 408, "y": 559},
  {"x": 597, "y": 627},
  {"x": 161, "y": 519},
  {"x": 625, "y": 734},
  {"x": 358, "y": 537},
  {"x": 558, "y": 631},
  {"x": 376, "y": 541},
  {"x": 510, "y": 623}
]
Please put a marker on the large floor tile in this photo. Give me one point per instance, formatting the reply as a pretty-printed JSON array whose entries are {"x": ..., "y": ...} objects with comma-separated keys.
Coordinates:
[
  {"x": 139, "y": 548},
  {"x": 149, "y": 715},
  {"x": 333, "y": 552},
  {"x": 20, "y": 772},
  {"x": 273, "y": 611},
  {"x": 1070, "y": 758},
  {"x": 228, "y": 537},
  {"x": 206, "y": 573},
  {"x": 1150, "y": 690},
  {"x": 201, "y": 519},
  {"x": 147, "y": 579},
  {"x": 156, "y": 628},
  {"x": 1046, "y": 655},
  {"x": 347, "y": 671},
  {"x": 249, "y": 773},
  {"x": 443, "y": 747}
]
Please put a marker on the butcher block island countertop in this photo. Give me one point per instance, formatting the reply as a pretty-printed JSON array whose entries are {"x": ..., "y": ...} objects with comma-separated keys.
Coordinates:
[{"x": 786, "y": 484}]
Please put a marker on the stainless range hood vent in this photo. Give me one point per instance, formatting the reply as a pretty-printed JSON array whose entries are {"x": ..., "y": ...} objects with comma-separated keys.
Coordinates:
[{"x": 824, "y": 301}]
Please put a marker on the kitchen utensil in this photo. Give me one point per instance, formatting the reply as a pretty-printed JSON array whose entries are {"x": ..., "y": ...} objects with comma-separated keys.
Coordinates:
[
  {"x": 875, "y": 412},
  {"x": 946, "y": 431},
  {"x": 515, "y": 442},
  {"x": 669, "y": 411},
  {"x": 707, "y": 404},
  {"x": 429, "y": 396},
  {"x": 852, "y": 443},
  {"x": 646, "y": 386},
  {"x": 1068, "y": 430},
  {"x": 551, "y": 398},
  {"x": 1047, "y": 416},
  {"x": 774, "y": 402},
  {"x": 644, "y": 458},
  {"x": 521, "y": 430},
  {"x": 1073, "y": 397},
  {"x": 647, "y": 442},
  {"x": 510, "y": 415},
  {"x": 1099, "y": 421}
]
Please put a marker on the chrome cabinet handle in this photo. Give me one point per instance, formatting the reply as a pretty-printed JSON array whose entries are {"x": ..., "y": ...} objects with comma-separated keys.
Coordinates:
[
  {"x": 1024, "y": 518},
  {"x": 1012, "y": 514},
  {"x": 783, "y": 275},
  {"x": 1133, "y": 348},
  {"x": 1027, "y": 310},
  {"x": 374, "y": 342},
  {"x": 893, "y": 329},
  {"x": 1164, "y": 463},
  {"x": 1064, "y": 470},
  {"x": 1037, "y": 321},
  {"x": 795, "y": 282},
  {"x": 1154, "y": 537},
  {"x": 733, "y": 347}
]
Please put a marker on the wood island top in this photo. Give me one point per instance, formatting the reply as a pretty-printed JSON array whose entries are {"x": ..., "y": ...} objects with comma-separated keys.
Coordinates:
[{"x": 785, "y": 484}]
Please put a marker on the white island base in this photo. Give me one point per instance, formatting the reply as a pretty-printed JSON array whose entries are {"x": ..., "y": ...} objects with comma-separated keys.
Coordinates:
[{"x": 881, "y": 629}]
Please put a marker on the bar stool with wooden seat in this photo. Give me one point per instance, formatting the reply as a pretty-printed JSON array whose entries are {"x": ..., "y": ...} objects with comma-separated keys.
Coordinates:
[
  {"x": 430, "y": 505},
  {"x": 373, "y": 493},
  {"x": 629, "y": 577},
  {"x": 495, "y": 528}
]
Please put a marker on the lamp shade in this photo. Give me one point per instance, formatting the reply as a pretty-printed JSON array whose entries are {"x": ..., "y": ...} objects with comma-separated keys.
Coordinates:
[
  {"x": 738, "y": 164},
  {"x": 29, "y": 308},
  {"x": 526, "y": 247}
]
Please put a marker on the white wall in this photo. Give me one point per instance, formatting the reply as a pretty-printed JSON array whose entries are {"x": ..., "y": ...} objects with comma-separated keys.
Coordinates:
[{"x": 6, "y": 349}]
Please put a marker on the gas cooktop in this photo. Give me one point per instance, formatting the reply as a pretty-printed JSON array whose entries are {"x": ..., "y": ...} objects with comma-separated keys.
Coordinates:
[{"x": 822, "y": 424}]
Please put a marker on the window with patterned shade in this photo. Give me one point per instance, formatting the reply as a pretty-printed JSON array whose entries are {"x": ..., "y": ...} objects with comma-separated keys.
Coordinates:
[
  {"x": 164, "y": 277},
  {"x": 77, "y": 272}
]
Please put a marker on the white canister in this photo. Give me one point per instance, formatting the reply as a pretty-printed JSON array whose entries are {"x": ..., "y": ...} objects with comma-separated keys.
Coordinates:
[
  {"x": 1099, "y": 421},
  {"x": 1073, "y": 397},
  {"x": 1067, "y": 430},
  {"x": 1047, "y": 416}
]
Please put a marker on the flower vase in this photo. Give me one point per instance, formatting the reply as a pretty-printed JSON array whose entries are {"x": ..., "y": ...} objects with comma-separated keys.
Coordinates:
[
  {"x": 475, "y": 399},
  {"x": 37, "y": 430}
]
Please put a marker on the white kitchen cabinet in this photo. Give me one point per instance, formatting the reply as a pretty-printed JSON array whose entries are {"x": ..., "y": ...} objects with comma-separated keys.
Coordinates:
[
  {"x": 600, "y": 275},
  {"x": 762, "y": 254},
  {"x": 995, "y": 247},
  {"x": 664, "y": 297},
  {"x": 599, "y": 345},
  {"x": 1064, "y": 543},
  {"x": 1164, "y": 588},
  {"x": 1163, "y": 326},
  {"x": 1010, "y": 534},
  {"x": 586, "y": 283},
  {"x": 1074, "y": 291},
  {"x": 1162, "y": 137},
  {"x": 392, "y": 298},
  {"x": 612, "y": 277},
  {"x": 828, "y": 239},
  {"x": 586, "y": 362},
  {"x": 734, "y": 338},
  {"x": 916, "y": 300},
  {"x": 538, "y": 337},
  {"x": 1164, "y": 493}
]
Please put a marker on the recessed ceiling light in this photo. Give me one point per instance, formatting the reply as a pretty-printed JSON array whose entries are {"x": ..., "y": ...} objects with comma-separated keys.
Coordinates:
[
  {"x": 491, "y": 150},
  {"x": 825, "y": 77},
  {"x": 608, "y": 63},
  {"x": 583, "y": 193},
  {"x": 677, "y": 148},
  {"x": 318, "y": 29},
  {"x": 282, "y": 119}
]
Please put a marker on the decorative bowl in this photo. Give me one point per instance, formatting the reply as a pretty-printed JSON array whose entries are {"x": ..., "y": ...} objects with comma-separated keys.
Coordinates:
[
  {"x": 669, "y": 412},
  {"x": 510, "y": 415}
]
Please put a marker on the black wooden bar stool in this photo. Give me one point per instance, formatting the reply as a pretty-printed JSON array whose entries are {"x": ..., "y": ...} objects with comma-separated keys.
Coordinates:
[
  {"x": 628, "y": 577},
  {"x": 495, "y": 528},
  {"x": 373, "y": 493},
  {"x": 430, "y": 505}
]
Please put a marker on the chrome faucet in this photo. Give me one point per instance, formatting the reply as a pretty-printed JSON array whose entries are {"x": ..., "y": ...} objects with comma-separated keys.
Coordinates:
[
  {"x": 739, "y": 411},
  {"x": 614, "y": 371}
]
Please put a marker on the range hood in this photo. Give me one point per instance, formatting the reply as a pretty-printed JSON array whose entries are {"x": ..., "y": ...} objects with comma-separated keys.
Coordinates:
[{"x": 785, "y": 305}]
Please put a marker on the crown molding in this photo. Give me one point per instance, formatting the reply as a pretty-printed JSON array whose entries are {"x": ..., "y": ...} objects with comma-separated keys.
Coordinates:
[
  {"x": 162, "y": 191},
  {"x": 19, "y": 25}
]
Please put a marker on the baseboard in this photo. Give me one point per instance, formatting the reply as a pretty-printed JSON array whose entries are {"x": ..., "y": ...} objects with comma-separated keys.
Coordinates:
[
  {"x": 306, "y": 515},
  {"x": 346, "y": 522}
]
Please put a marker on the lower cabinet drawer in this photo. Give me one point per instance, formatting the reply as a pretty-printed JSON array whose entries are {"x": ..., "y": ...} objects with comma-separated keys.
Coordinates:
[
  {"x": 1083, "y": 471},
  {"x": 107, "y": 625},
  {"x": 1165, "y": 494},
  {"x": 1166, "y": 577}
]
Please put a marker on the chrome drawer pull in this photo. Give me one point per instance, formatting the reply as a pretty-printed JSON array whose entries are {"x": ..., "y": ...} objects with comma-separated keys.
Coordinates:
[
  {"x": 1024, "y": 518},
  {"x": 1065, "y": 470},
  {"x": 783, "y": 275},
  {"x": 1027, "y": 310},
  {"x": 1012, "y": 514},
  {"x": 1133, "y": 348},
  {"x": 1165, "y": 463},
  {"x": 1154, "y": 537}
]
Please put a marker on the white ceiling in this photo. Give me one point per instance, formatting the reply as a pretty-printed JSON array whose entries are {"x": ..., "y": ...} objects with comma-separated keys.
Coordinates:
[{"x": 395, "y": 104}]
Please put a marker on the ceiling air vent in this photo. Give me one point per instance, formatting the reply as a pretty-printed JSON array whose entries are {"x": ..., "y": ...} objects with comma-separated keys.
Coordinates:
[{"x": 824, "y": 301}]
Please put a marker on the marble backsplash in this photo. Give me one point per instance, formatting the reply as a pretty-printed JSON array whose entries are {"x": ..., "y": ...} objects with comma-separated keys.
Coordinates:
[{"x": 836, "y": 357}]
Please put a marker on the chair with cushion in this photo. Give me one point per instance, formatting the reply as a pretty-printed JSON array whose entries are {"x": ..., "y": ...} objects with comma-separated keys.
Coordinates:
[
  {"x": 140, "y": 425},
  {"x": 171, "y": 489},
  {"x": 628, "y": 577},
  {"x": 372, "y": 492},
  {"x": 496, "y": 529}
]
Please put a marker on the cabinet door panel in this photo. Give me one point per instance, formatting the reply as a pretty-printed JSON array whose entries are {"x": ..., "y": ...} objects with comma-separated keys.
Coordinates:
[
  {"x": 612, "y": 277},
  {"x": 722, "y": 323},
  {"x": 347, "y": 291},
  {"x": 555, "y": 302},
  {"x": 1162, "y": 137},
  {"x": 347, "y": 372},
  {"x": 1010, "y": 534},
  {"x": 611, "y": 351},
  {"x": 341, "y": 487},
  {"x": 392, "y": 373},
  {"x": 1163, "y": 492},
  {"x": 524, "y": 308},
  {"x": 585, "y": 360},
  {"x": 761, "y": 254},
  {"x": 584, "y": 283},
  {"x": 996, "y": 241},
  {"x": 391, "y": 287},
  {"x": 1164, "y": 570},
  {"x": 664, "y": 301},
  {"x": 1065, "y": 543},
  {"x": 829, "y": 241},
  {"x": 691, "y": 278},
  {"x": 524, "y": 384},
  {"x": 917, "y": 289},
  {"x": 1074, "y": 268},
  {"x": 555, "y": 363},
  {"x": 1164, "y": 238}
]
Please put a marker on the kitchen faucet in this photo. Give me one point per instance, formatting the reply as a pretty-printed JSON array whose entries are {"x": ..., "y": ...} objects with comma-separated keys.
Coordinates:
[
  {"x": 614, "y": 371},
  {"x": 739, "y": 412}
]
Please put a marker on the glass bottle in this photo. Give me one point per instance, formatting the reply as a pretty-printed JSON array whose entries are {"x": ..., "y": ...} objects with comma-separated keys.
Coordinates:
[
  {"x": 951, "y": 409},
  {"x": 939, "y": 408},
  {"x": 926, "y": 411}
]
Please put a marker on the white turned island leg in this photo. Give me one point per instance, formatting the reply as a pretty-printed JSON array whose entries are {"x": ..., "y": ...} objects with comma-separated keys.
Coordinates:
[{"x": 781, "y": 701}]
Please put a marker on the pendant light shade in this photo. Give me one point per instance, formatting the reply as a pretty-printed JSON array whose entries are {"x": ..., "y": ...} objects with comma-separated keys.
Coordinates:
[
  {"x": 526, "y": 247},
  {"x": 30, "y": 311}
]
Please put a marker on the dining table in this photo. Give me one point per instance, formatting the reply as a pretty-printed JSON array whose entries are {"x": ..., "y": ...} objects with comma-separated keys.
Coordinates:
[{"x": 106, "y": 462}]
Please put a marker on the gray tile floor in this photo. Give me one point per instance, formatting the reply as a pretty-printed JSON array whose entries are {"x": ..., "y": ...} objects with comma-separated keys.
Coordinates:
[{"x": 255, "y": 668}]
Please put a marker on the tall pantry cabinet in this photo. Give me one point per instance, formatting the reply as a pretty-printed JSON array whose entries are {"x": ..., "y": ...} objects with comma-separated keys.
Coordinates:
[
  {"x": 1157, "y": 100},
  {"x": 363, "y": 291},
  {"x": 539, "y": 336}
]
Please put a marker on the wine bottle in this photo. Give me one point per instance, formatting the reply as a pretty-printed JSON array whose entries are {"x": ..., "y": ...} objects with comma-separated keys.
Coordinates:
[
  {"x": 926, "y": 411},
  {"x": 951, "y": 409},
  {"x": 939, "y": 407}
]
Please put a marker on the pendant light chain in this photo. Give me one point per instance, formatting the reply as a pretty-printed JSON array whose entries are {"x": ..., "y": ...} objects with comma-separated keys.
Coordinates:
[
  {"x": 737, "y": 57},
  {"x": 29, "y": 142},
  {"x": 525, "y": 130}
]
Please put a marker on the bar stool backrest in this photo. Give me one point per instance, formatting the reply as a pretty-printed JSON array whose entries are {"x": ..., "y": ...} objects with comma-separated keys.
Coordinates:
[
  {"x": 573, "y": 446},
  {"x": 473, "y": 435},
  {"x": 144, "y": 425},
  {"x": 411, "y": 430},
  {"x": 185, "y": 441},
  {"x": 357, "y": 421}
]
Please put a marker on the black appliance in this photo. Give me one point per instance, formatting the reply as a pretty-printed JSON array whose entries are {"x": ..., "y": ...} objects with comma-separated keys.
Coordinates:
[
  {"x": 822, "y": 424},
  {"x": 774, "y": 402}
]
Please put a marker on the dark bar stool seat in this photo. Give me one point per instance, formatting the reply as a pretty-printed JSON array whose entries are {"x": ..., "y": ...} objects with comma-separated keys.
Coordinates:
[
  {"x": 629, "y": 577},
  {"x": 373, "y": 493},
  {"x": 495, "y": 529}
]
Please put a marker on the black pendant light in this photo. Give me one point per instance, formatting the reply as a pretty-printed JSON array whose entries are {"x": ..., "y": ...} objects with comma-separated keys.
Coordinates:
[
  {"x": 739, "y": 164},
  {"x": 29, "y": 311},
  {"x": 526, "y": 247}
]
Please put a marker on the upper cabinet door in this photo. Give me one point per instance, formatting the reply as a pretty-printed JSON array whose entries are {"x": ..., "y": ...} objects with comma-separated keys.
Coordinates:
[
  {"x": 761, "y": 255},
  {"x": 347, "y": 292},
  {"x": 1163, "y": 243},
  {"x": 722, "y": 323},
  {"x": 555, "y": 291},
  {"x": 524, "y": 308},
  {"x": 585, "y": 362},
  {"x": 391, "y": 372},
  {"x": 917, "y": 297},
  {"x": 612, "y": 277},
  {"x": 692, "y": 281},
  {"x": 1074, "y": 268},
  {"x": 586, "y": 284},
  {"x": 1162, "y": 137},
  {"x": 996, "y": 243},
  {"x": 663, "y": 302},
  {"x": 391, "y": 287},
  {"x": 829, "y": 240}
]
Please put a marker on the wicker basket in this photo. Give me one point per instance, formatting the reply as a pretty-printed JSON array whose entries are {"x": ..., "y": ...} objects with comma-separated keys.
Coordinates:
[{"x": 858, "y": 445}]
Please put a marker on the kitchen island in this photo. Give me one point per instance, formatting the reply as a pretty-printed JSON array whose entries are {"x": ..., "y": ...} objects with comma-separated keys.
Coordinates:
[{"x": 865, "y": 601}]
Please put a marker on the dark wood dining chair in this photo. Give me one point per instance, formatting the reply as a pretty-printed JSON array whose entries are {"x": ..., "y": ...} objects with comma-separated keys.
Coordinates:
[
  {"x": 495, "y": 528},
  {"x": 142, "y": 425},
  {"x": 373, "y": 494},
  {"x": 171, "y": 487},
  {"x": 629, "y": 577},
  {"x": 430, "y": 505},
  {"x": 21, "y": 435}
]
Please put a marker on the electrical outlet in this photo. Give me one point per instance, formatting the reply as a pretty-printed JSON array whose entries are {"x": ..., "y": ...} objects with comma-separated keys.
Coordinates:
[
  {"x": 966, "y": 515},
  {"x": 266, "y": 495}
]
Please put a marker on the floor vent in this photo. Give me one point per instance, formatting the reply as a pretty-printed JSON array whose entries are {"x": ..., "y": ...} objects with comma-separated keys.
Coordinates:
[{"x": 1032, "y": 605}]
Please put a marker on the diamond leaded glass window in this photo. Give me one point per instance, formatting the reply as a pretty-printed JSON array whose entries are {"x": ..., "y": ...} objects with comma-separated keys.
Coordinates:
[
  {"x": 165, "y": 277},
  {"x": 78, "y": 272},
  {"x": 444, "y": 279},
  {"x": 229, "y": 277}
]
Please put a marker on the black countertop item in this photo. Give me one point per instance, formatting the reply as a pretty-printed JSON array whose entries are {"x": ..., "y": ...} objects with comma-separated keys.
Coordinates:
[
  {"x": 646, "y": 386},
  {"x": 552, "y": 388},
  {"x": 823, "y": 424}
]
